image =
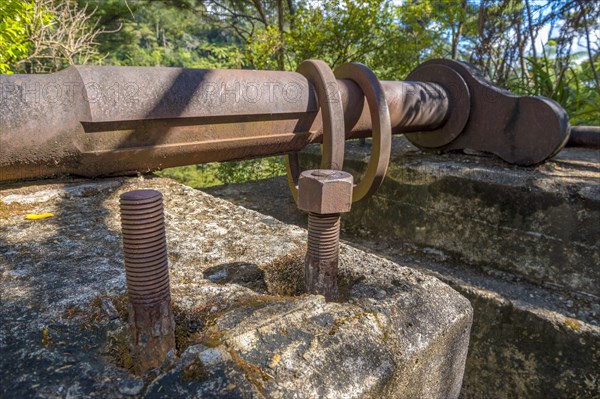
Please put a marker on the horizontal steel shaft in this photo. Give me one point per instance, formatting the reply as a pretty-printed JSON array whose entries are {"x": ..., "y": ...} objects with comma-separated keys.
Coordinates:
[
  {"x": 95, "y": 121},
  {"x": 584, "y": 136}
]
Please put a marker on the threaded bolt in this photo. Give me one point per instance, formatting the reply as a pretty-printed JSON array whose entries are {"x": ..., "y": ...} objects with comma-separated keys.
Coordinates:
[
  {"x": 151, "y": 321},
  {"x": 324, "y": 194},
  {"x": 321, "y": 263}
]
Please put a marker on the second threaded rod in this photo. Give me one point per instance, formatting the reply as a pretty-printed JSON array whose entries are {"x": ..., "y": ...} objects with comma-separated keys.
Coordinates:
[{"x": 151, "y": 321}]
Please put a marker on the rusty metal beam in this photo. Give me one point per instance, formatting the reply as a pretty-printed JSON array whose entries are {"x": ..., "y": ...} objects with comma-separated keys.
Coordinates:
[{"x": 94, "y": 121}]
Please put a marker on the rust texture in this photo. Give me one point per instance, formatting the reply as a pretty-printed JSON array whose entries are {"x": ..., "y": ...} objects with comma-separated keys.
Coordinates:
[
  {"x": 323, "y": 80},
  {"x": 522, "y": 130},
  {"x": 324, "y": 194},
  {"x": 101, "y": 120},
  {"x": 151, "y": 322},
  {"x": 321, "y": 263},
  {"x": 332, "y": 148},
  {"x": 381, "y": 126}
]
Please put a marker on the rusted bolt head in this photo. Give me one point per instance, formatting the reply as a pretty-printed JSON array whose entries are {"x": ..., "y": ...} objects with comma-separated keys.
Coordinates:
[{"x": 325, "y": 191}]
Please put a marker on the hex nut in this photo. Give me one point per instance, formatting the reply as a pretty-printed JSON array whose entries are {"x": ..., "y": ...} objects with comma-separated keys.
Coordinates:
[{"x": 325, "y": 191}]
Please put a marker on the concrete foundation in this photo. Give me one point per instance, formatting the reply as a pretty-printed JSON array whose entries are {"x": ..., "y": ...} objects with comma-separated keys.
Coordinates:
[
  {"x": 540, "y": 223},
  {"x": 523, "y": 244},
  {"x": 244, "y": 327}
]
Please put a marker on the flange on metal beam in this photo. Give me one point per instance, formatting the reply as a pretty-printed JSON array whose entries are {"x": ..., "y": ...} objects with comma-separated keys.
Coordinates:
[{"x": 522, "y": 130}]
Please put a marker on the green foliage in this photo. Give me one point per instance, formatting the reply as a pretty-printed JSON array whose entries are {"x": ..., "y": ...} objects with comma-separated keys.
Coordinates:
[
  {"x": 15, "y": 17},
  {"x": 373, "y": 32},
  {"x": 39, "y": 36},
  {"x": 174, "y": 33},
  {"x": 392, "y": 37},
  {"x": 217, "y": 173},
  {"x": 252, "y": 169},
  {"x": 263, "y": 46},
  {"x": 195, "y": 176}
]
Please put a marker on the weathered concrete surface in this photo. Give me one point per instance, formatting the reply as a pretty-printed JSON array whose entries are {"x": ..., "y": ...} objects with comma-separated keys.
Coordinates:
[
  {"x": 542, "y": 223},
  {"x": 533, "y": 340},
  {"x": 526, "y": 341},
  {"x": 243, "y": 330}
]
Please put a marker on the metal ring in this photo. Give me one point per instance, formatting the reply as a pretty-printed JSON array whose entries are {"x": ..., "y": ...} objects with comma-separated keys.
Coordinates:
[
  {"x": 322, "y": 78},
  {"x": 381, "y": 126}
]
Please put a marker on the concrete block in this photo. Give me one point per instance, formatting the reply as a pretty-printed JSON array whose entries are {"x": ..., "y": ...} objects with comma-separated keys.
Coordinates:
[
  {"x": 244, "y": 329},
  {"x": 520, "y": 243},
  {"x": 541, "y": 223}
]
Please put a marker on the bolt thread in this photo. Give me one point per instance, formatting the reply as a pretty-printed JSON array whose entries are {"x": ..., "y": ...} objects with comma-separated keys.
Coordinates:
[
  {"x": 323, "y": 236},
  {"x": 145, "y": 247},
  {"x": 321, "y": 263}
]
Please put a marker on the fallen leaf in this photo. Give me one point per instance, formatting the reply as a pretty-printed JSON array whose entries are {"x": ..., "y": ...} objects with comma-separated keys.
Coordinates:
[
  {"x": 36, "y": 216},
  {"x": 275, "y": 361},
  {"x": 46, "y": 337}
]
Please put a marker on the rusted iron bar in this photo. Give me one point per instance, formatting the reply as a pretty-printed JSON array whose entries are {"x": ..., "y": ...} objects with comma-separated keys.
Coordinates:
[
  {"x": 584, "y": 136},
  {"x": 94, "y": 121},
  {"x": 151, "y": 321}
]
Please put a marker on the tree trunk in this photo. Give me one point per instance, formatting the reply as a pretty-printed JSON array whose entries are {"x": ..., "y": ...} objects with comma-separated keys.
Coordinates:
[
  {"x": 281, "y": 51},
  {"x": 532, "y": 34},
  {"x": 589, "y": 48},
  {"x": 457, "y": 35},
  {"x": 261, "y": 11}
]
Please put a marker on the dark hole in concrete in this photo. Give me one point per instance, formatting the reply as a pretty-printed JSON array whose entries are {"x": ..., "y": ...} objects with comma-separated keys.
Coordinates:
[
  {"x": 283, "y": 276},
  {"x": 247, "y": 275}
]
